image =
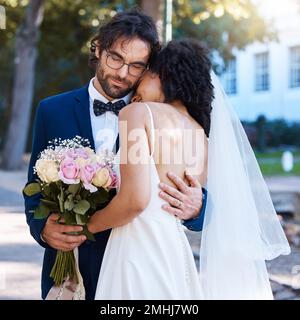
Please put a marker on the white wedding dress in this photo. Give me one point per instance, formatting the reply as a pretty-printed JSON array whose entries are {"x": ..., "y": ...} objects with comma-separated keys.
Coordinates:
[{"x": 150, "y": 257}]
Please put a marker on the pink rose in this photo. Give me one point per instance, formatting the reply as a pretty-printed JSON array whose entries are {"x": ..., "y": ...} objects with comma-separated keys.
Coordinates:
[
  {"x": 114, "y": 180},
  {"x": 71, "y": 154},
  {"x": 87, "y": 174},
  {"x": 69, "y": 171},
  {"x": 81, "y": 153}
]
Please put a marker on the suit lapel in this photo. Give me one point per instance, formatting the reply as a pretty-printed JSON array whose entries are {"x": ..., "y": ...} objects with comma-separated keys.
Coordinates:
[{"x": 82, "y": 112}]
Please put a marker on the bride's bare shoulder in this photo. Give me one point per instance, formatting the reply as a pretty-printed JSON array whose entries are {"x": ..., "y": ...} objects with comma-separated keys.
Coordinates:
[
  {"x": 134, "y": 109},
  {"x": 160, "y": 109},
  {"x": 139, "y": 109}
]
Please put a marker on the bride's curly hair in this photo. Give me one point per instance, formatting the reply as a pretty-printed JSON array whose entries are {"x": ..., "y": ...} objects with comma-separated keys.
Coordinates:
[{"x": 184, "y": 69}]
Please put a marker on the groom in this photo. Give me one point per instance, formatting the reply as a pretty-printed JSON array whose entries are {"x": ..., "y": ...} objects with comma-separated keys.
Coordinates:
[{"x": 120, "y": 52}]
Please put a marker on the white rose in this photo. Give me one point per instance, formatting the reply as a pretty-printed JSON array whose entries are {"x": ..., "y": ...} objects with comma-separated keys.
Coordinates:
[
  {"x": 101, "y": 177},
  {"x": 47, "y": 170},
  {"x": 108, "y": 182}
]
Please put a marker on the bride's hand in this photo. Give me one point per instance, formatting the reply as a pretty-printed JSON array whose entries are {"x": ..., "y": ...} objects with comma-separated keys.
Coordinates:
[{"x": 186, "y": 202}]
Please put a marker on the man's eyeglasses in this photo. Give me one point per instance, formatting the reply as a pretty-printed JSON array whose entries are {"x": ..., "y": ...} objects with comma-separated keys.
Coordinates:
[{"x": 115, "y": 62}]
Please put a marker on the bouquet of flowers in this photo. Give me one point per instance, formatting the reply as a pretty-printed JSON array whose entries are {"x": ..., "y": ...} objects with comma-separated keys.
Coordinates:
[{"x": 74, "y": 182}]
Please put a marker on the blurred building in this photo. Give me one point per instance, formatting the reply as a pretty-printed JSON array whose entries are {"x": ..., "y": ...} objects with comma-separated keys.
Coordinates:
[{"x": 265, "y": 78}]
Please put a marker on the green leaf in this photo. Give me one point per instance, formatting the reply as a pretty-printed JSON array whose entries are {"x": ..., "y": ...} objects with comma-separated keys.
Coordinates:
[
  {"x": 46, "y": 191},
  {"x": 93, "y": 205},
  {"x": 74, "y": 188},
  {"x": 69, "y": 218},
  {"x": 99, "y": 197},
  {"x": 61, "y": 200},
  {"x": 41, "y": 212},
  {"x": 69, "y": 204},
  {"x": 32, "y": 189},
  {"x": 70, "y": 197},
  {"x": 81, "y": 219},
  {"x": 88, "y": 234},
  {"x": 50, "y": 191},
  {"x": 84, "y": 193},
  {"x": 55, "y": 190},
  {"x": 82, "y": 207},
  {"x": 50, "y": 204}
]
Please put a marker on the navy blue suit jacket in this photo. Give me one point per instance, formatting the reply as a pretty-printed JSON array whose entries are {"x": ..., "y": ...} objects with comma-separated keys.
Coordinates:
[{"x": 65, "y": 116}]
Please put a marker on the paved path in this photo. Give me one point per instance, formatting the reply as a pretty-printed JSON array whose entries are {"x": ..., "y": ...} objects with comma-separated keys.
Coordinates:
[
  {"x": 283, "y": 183},
  {"x": 21, "y": 257}
]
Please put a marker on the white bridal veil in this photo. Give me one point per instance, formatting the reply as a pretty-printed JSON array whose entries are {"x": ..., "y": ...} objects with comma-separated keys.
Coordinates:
[{"x": 241, "y": 229}]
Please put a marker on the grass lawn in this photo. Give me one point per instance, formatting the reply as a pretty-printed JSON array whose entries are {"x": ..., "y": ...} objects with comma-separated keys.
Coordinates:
[
  {"x": 274, "y": 154},
  {"x": 275, "y": 169},
  {"x": 270, "y": 163}
]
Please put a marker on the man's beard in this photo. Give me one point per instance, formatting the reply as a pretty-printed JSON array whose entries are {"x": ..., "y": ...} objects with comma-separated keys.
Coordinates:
[{"x": 112, "y": 90}]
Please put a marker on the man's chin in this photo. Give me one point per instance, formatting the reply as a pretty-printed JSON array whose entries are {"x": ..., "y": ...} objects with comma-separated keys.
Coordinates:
[{"x": 116, "y": 94}]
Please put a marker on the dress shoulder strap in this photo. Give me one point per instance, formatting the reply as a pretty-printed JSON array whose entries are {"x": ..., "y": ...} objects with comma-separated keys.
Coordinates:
[{"x": 152, "y": 130}]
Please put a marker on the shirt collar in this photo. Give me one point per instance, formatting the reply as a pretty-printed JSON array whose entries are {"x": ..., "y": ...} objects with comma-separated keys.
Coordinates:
[{"x": 95, "y": 94}]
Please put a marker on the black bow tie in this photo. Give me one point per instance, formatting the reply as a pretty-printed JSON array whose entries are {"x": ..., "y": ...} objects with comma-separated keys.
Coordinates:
[{"x": 102, "y": 107}]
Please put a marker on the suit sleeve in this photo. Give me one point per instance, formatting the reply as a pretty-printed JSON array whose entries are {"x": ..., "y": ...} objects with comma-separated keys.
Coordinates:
[
  {"x": 196, "y": 224},
  {"x": 39, "y": 144}
]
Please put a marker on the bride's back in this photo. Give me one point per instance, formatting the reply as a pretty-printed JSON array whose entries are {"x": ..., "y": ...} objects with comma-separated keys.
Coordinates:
[
  {"x": 180, "y": 143},
  {"x": 179, "y": 84}
]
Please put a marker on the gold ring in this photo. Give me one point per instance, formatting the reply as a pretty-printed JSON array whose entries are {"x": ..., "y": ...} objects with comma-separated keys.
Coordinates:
[{"x": 180, "y": 204}]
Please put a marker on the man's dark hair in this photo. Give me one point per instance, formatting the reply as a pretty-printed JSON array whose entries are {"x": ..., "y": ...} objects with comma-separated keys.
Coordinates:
[
  {"x": 129, "y": 24},
  {"x": 184, "y": 70}
]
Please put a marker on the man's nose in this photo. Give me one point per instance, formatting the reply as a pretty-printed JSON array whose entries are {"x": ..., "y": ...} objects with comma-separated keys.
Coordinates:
[
  {"x": 136, "y": 98},
  {"x": 123, "y": 72}
]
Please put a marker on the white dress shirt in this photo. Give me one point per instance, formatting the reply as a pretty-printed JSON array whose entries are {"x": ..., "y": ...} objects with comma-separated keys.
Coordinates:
[{"x": 105, "y": 127}]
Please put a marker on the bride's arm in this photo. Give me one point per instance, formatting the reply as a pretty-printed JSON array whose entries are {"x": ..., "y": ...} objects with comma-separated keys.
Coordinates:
[{"x": 134, "y": 194}]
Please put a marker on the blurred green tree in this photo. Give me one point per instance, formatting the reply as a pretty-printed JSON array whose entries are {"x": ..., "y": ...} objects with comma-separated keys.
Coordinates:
[
  {"x": 27, "y": 37},
  {"x": 223, "y": 25},
  {"x": 62, "y": 61},
  {"x": 261, "y": 132},
  {"x": 69, "y": 25},
  {"x": 14, "y": 14}
]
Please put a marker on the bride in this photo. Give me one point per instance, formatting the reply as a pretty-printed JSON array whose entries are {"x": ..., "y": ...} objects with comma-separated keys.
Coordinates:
[{"x": 188, "y": 125}]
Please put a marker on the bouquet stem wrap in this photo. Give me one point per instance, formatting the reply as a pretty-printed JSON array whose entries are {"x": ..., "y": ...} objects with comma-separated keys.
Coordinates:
[{"x": 64, "y": 267}]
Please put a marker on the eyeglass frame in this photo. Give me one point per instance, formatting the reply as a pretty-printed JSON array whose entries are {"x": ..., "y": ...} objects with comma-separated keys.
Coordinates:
[{"x": 108, "y": 54}]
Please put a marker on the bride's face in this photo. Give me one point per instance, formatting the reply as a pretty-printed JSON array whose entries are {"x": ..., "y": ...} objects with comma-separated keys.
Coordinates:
[{"x": 149, "y": 89}]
